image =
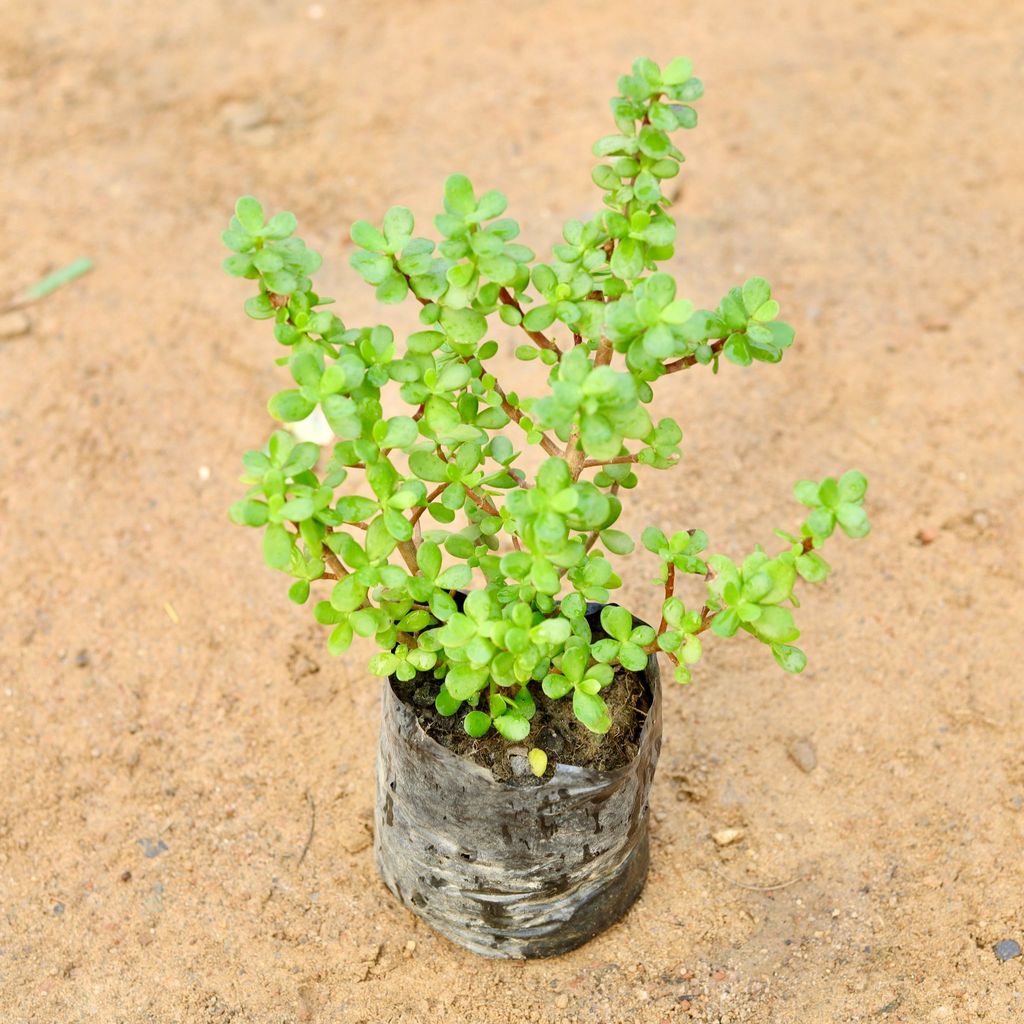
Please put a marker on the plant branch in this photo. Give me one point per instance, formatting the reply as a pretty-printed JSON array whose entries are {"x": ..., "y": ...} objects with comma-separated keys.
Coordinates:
[
  {"x": 670, "y": 587},
  {"x": 687, "y": 361},
  {"x": 516, "y": 416},
  {"x": 538, "y": 338},
  {"x": 436, "y": 492},
  {"x": 617, "y": 461},
  {"x": 573, "y": 453}
]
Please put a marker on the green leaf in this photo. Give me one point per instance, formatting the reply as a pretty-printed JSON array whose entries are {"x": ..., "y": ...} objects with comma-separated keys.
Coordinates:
[
  {"x": 538, "y": 761},
  {"x": 791, "y": 659},
  {"x": 756, "y": 292},
  {"x": 366, "y": 236},
  {"x": 277, "y": 547},
  {"x": 556, "y": 686},
  {"x": 512, "y": 726},
  {"x": 340, "y": 639},
  {"x": 632, "y": 657},
  {"x": 248, "y": 513},
  {"x": 400, "y": 433},
  {"x": 476, "y": 723},
  {"x": 382, "y": 664},
  {"x": 616, "y": 622},
  {"x": 592, "y": 711},
  {"x": 455, "y": 576},
  {"x": 775, "y": 624},
  {"x": 398, "y": 225},
  {"x": 464, "y": 326},
  {"x": 677, "y": 71},
  {"x": 354, "y": 508},
  {"x": 852, "y": 485},
  {"x": 653, "y": 539},
  {"x": 853, "y": 520},
  {"x": 458, "y": 195},
  {"x": 290, "y": 406},
  {"x": 297, "y": 509},
  {"x": 628, "y": 259},
  {"x": 428, "y": 555},
  {"x": 250, "y": 214},
  {"x": 299, "y": 591},
  {"x": 617, "y": 542},
  {"x": 552, "y": 631},
  {"x": 445, "y": 703},
  {"x": 463, "y": 682},
  {"x": 806, "y": 492}
]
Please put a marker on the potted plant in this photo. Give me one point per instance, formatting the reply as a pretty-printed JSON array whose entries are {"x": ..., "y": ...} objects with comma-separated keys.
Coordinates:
[{"x": 521, "y": 707}]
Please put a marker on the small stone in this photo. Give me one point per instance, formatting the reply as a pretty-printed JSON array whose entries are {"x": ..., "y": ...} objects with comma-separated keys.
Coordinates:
[
  {"x": 727, "y": 836},
  {"x": 981, "y": 519},
  {"x": 562, "y": 1001},
  {"x": 14, "y": 324},
  {"x": 248, "y": 122},
  {"x": 803, "y": 754},
  {"x": 684, "y": 1004},
  {"x": 82, "y": 658},
  {"x": 1006, "y": 949},
  {"x": 926, "y": 536},
  {"x": 551, "y": 741},
  {"x": 423, "y": 696},
  {"x": 520, "y": 765},
  {"x": 126, "y": 876},
  {"x": 718, "y": 976}
]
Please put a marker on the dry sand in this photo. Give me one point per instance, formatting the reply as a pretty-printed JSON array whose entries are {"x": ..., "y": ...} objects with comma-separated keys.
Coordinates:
[{"x": 168, "y": 720}]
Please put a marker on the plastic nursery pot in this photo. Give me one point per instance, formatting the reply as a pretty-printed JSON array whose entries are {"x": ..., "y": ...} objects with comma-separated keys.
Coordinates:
[{"x": 508, "y": 871}]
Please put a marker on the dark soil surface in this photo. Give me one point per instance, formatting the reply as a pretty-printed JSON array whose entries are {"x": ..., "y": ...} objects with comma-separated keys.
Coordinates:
[{"x": 554, "y": 729}]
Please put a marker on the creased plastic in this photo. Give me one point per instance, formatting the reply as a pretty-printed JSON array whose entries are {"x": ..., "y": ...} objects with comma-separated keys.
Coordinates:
[{"x": 511, "y": 871}]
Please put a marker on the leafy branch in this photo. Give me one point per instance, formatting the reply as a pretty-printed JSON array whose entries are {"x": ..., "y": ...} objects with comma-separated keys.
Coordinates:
[{"x": 455, "y": 560}]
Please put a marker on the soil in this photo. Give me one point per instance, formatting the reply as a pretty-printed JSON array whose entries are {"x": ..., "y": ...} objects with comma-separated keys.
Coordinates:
[
  {"x": 554, "y": 729},
  {"x": 188, "y": 776}
]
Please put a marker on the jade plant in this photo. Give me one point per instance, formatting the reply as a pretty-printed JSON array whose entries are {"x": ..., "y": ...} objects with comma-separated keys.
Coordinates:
[{"x": 458, "y": 561}]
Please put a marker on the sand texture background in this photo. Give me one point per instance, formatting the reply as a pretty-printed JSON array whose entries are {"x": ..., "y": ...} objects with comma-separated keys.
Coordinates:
[{"x": 168, "y": 720}]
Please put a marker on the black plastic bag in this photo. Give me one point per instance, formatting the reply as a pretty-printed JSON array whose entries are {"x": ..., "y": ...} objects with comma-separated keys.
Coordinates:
[{"x": 504, "y": 870}]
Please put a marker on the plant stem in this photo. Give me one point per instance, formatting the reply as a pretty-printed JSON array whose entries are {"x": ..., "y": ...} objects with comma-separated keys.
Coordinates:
[
  {"x": 516, "y": 416},
  {"x": 670, "y": 587},
  {"x": 436, "y": 492},
  {"x": 687, "y": 361},
  {"x": 539, "y": 339},
  {"x": 617, "y": 461}
]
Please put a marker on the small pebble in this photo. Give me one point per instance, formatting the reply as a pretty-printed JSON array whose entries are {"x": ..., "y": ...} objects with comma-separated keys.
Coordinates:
[
  {"x": 58, "y": 908},
  {"x": 14, "y": 324},
  {"x": 803, "y": 754},
  {"x": 562, "y": 1001},
  {"x": 126, "y": 876},
  {"x": 926, "y": 536},
  {"x": 520, "y": 765},
  {"x": 718, "y": 976},
  {"x": 1007, "y": 949},
  {"x": 727, "y": 836},
  {"x": 82, "y": 658}
]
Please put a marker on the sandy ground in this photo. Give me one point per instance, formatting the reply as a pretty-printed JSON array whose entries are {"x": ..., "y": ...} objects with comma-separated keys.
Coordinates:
[{"x": 168, "y": 721}]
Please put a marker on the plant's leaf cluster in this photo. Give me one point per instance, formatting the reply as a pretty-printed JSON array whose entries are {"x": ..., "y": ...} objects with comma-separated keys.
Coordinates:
[{"x": 456, "y": 561}]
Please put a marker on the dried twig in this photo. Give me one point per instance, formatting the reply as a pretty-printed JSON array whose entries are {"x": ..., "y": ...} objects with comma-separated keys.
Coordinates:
[{"x": 312, "y": 826}]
